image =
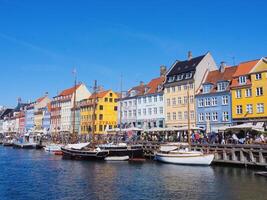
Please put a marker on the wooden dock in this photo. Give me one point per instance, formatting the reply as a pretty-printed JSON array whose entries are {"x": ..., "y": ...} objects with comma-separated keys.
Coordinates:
[{"x": 244, "y": 155}]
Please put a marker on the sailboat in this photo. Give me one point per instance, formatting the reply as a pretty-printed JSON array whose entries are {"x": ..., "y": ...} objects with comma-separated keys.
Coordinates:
[
  {"x": 180, "y": 153},
  {"x": 84, "y": 151}
]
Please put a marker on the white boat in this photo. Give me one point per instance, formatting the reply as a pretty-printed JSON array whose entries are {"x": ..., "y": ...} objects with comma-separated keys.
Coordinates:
[
  {"x": 53, "y": 148},
  {"x": 117, "y": 158},
  {"x": 179, "y": 154}
]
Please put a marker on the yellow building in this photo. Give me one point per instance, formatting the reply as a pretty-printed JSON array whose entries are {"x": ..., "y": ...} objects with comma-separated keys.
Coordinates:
[
  {"x": 249, "y": 92},
  {"x": 105, "y": 112}
]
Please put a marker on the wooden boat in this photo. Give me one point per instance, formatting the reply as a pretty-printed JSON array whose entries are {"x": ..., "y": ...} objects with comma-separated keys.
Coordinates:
[
  {"x": 180, "y": 154},
  {"x": 123, "y": 149},
  {"x": 82, "y": 151}
]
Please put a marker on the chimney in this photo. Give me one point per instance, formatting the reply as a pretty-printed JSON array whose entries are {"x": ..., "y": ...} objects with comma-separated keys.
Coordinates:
[
  {"x": 142, "y": 83},
  {"x": 163, "y": 70},
  {"x": 222, "y": 67},
  {"x": 189, "y": 55}
]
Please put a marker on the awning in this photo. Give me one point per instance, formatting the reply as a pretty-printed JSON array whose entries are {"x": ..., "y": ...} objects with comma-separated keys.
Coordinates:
[{"x": 78, "y": 146}]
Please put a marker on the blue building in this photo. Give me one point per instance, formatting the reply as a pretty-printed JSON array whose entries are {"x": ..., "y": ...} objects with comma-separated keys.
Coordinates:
[
  {"x": 213, "y": 102},
  {"x": 46, "y": 119},
  {"x": 29, "y": 117}
]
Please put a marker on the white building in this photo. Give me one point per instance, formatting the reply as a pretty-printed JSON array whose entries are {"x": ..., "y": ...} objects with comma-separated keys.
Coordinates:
[
  {"x": 143, "y": 106},
  {"x": 61, "y": 119}
]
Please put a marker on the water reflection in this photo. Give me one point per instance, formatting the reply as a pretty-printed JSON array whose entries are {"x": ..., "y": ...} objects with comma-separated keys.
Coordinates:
[{"x": 37, "y": 175}]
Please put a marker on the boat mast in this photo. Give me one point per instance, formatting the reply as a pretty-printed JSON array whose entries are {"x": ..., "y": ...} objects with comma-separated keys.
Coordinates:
[
  {"x": 121, "y": 105},
  {"x": 74, "y": 107},
  {"x": 188, "y": 115},
  {"x": 94, "y": 110}
]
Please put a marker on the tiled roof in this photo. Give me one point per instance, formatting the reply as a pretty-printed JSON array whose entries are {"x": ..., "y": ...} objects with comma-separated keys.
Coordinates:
[
  {"x": 100, "y": 94},
  {"x": 215, "y": 76},
  {"x": 140, "y": 89},
  {"x": 244, "y": 67},
  {"x": 69, "y": 91},
  {"x": 153, "y": 85},
  {"x": 185, "y": 66},
  {"x": 40, "y": 99}
]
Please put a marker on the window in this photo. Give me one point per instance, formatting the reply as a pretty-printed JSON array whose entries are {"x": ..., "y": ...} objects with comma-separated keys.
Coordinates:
[
  {"x": 168, "y": 116},
  {"x": 149, "y": 111},
  {"x": 134, "y": 113},
  {"x": 225, "y": 116},
  {"x": 139, "y": 100},
  {"x": 248, "y": 92},
  {"x": 225, "y": 100},
  {"x": 192, "y": 115},
  {"x": 259, "y": 91},
  {"x": 222, "y": 86},
  {"x": 179, "y": 88},
  {"x": 207, "y": 102},
  {"x": 201, "y": 117},
  {"x": 130, "y": 103},
  {"x": 249, "y": 108},
  {"x": 260, "y": 108},
  {"x": 207, "y": 116},
  {"x": 173, "y": 89},
  {"x": 206, "y": 88},
  {"x": 155, "y": 111},
  {"x": 101, "y": 117},
  {"x": 149, "y": 99},
  {"x": 168, "y": 90},
  {"x": 213, "y": 101},
  {"x": 238, "y": 93},
  {"x": 200, "y": 103},
  {"x": 155, "y": 99},
  {"x": 144, "y": 111},
  {"x": 185, "y": 87},
  {"x": 180, "y": 116},
  {"x": 258, "y": 76},
  {"x": 125, "y": 114},
  {"x": 110, "y": 100},
  {"x": 106, "y": 99},
  {"x": 130, "y": 113},
  {"x": 174, "y": 115},
  {"x": 179, "y": 100},
  {"x": 185, "y": 100},
  {"x": 115, "y": 108},
  {"x": 139, "y": 112},
  {"x": 191, "y": 86},
  {"x": 242, "y": 80},
  {"x": 134, "y": 102},
  {"x": 125, "y": 104},
  {"x": 185, "y": 115},
  {"x": 239, "y": 109},
  {"x": 173, "y": 101},
  {"x": 161, "y": 98},
  {"x": 191, "y": 99},
  {"x": 144, "y": 99},
  {"x": 101, "y": 107},
  {"x": 215, "y": 116},
  {"x": 161, "y": 110},
  {"x": 188, "y": 75},
  {"x": 168, "y": 102},
  {"x": 100, "y": 127}
]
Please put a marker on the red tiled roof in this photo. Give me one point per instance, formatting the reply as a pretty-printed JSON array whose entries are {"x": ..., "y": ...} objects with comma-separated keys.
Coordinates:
[
  {"x": 40, "y": 99},
  {"x": 140, "y": 89},
  {"x": 153, "y": 85},
  {"x": 215, "y": 76},
  {"x": 69, "y": 91},
  {"x": 100, "y": 94},
  {"x": 244, "y": 67}
]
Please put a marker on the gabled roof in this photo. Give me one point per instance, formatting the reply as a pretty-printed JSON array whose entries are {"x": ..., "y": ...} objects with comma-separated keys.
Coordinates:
[
  {"x": 69, "y": 91},
  {"x": 215, "y": 76},
  {"x": 40, "y": 99},
  {"x": 245, "y": 67},
  {"x": 185, "y": 66},
  {"x": 153, "y": 85},
  {"x": 100, "y": 94}
]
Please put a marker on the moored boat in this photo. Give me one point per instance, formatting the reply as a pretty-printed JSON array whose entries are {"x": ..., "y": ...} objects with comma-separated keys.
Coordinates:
[
  {"x": 25, "y": 145},
  {"x": 53, "y": 148},
  {"x": 180, "y": 154}
]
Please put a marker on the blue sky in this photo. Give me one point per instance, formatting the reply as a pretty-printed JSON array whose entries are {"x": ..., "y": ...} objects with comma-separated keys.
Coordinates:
[{"x": 42, "y": 41}]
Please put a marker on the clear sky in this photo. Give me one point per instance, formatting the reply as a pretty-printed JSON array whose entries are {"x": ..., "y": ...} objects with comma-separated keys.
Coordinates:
[{"x": 42, "y": 41}]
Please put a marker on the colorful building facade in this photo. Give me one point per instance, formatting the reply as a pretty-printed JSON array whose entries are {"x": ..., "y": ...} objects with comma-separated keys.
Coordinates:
[
  {"x": 249, "y": 92},
  {"x": 213, "y": 102},
  {"x": 183, "y": 81},
  {"x": 106, "y": 108}
]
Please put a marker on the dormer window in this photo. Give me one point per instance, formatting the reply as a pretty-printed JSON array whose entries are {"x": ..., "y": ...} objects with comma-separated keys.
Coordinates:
[
  {"x": 133, "y": 93},
  {"x": 242, "y": 80},
  {"x": 146, "y": 90},
  {"x": 180, "y": 77},
  {"x": 207, "y": 88},
  {"x": 188, "y": 75},
  {"x": 171, "y": 79},
  {"x": 221, "y": 86},
  {"x": 159, "y": 88}
]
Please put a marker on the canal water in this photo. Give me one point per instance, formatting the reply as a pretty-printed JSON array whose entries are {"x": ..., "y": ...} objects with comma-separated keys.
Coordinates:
[{"x": 35, "y": 174}]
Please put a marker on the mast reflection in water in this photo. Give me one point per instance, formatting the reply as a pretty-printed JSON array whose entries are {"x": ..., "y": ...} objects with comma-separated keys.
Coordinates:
[{"x": 31, "y": 174}]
